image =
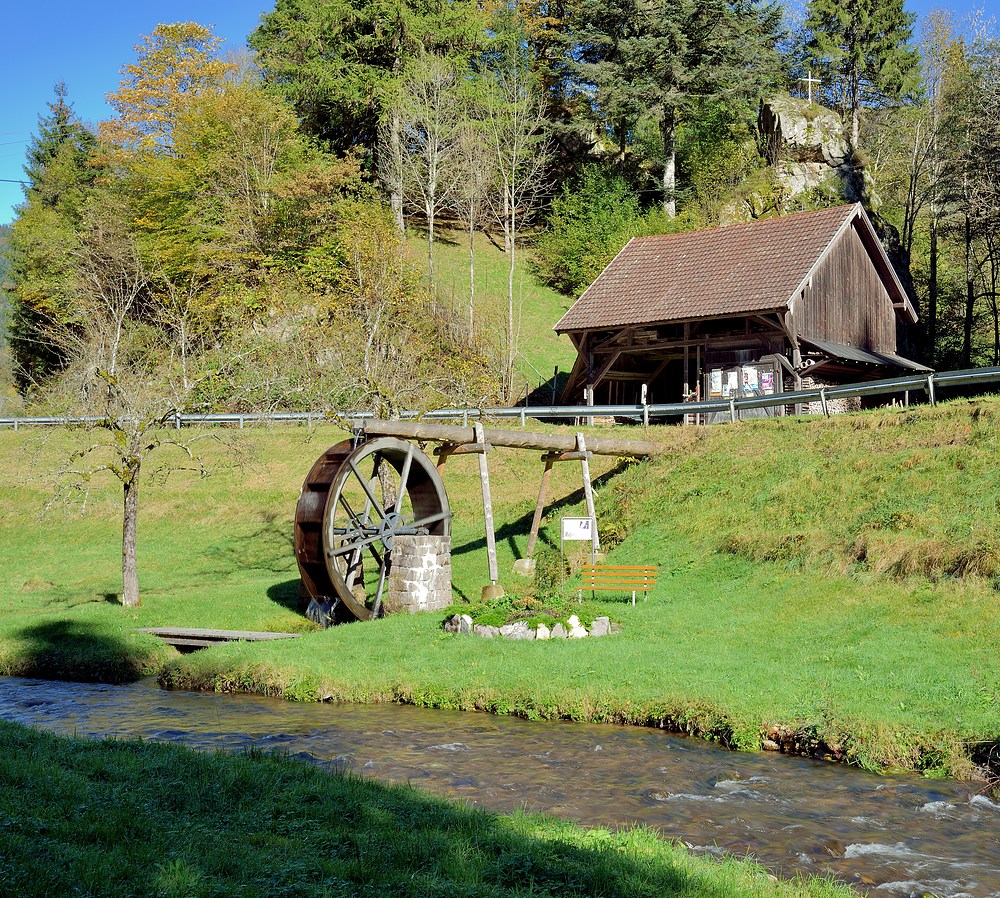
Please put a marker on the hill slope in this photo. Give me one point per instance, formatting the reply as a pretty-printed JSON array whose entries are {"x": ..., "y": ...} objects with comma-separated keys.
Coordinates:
[{"x": 538, "y": 307}]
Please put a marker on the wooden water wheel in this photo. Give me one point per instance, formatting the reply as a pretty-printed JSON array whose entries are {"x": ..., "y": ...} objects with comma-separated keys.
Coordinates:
[{"x": 355, "y": 500}]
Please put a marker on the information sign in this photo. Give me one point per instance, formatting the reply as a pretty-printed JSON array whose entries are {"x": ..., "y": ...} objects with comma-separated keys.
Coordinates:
[{"x": 577, "y": 529}]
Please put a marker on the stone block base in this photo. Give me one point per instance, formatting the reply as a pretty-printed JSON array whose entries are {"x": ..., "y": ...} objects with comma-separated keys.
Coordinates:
[{"x": 419, "y": 574}]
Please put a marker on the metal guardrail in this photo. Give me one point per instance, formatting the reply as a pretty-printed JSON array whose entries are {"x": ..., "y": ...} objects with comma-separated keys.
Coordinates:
[{"x": 928, "y": 384}]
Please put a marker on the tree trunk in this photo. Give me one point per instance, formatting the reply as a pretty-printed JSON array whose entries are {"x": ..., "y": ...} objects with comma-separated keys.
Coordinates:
[
  {"x": 130, "y": 517},
  {"x": 511, "y": 330},
  {"x": 932, "y": 293},
  {"x": 668, "y": 129},
  {"x": 430, "y": 253},
  {"x": 854, "y": 99},
  {"x": 396, "y": 187},
  {"x": 472, "y": 274},
  {"x": 970, "y": 297}
]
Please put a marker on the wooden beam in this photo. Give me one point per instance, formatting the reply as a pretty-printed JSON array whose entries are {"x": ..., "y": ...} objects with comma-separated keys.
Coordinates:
[
  {"x": 536, "y": 521},
  {"x": 491, "y": 537},
  {"x": 514, "y": 439},
  {"x": 605, "y": 368}
]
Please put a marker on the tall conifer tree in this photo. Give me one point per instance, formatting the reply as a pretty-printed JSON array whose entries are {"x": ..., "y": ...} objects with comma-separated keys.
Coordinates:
[
  {"x": 59, "y": 176},
  {"x": 663, "y": 57},
  {"x": 863, "y": 49}
]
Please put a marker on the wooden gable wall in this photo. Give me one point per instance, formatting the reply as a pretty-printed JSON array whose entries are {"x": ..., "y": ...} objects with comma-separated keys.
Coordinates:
[{"x": 846, "y": 301}]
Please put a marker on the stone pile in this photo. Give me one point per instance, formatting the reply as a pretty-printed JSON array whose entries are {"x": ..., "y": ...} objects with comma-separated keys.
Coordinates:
[{"x": 572, "y": 629}]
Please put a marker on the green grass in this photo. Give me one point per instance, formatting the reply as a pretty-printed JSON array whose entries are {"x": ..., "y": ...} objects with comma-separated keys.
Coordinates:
[
  {"x": 538, "y": 307},
  {"x": 127, "y": 818},
  {"x": 830, "y": 579}
]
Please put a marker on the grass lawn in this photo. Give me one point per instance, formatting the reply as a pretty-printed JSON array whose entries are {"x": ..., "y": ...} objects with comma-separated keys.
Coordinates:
[
  {"x": 126, "y": 818},
  {"x": 832, "y": 578}
]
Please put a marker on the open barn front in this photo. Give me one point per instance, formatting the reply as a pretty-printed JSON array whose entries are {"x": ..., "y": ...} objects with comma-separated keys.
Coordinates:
[{"x": 673, "y": 363}]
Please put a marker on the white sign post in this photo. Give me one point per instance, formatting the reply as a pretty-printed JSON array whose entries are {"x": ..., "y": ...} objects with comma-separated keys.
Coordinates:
[{"x": 578, "y": 530}]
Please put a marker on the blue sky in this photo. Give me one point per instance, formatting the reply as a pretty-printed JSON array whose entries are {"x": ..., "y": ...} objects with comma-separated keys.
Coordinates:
[{"x": 86, "y": 44}]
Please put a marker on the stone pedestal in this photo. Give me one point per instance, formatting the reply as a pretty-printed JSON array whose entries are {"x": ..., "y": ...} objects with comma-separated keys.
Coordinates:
[{"x": 420, "y": 574}]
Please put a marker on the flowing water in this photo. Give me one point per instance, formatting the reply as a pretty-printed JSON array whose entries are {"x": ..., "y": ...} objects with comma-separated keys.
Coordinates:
[{"x": 895, "y": 836}]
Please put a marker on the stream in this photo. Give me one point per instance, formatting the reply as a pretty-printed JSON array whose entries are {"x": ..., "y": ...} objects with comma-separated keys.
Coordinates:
[{"x": 888, "y": 836}]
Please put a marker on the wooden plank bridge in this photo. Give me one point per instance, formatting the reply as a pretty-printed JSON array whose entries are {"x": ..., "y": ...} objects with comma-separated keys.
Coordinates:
[{"x": 189, "y": 638}]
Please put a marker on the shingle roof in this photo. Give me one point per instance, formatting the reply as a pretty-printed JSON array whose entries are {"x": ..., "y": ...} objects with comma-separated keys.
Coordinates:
[{"x": 721, "y": 271}]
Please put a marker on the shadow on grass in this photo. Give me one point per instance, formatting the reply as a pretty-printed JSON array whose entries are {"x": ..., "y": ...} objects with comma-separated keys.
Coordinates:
[
  {"x": 280, "y": 826},
  {"x": 510, "y": 533},
  {"x": 288, "y": 595},
  {"x": 65, "y": 649}
]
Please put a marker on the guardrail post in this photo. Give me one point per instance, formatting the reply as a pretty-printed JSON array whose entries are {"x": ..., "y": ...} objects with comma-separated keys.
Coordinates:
[
  {"x": 645, "y": 414},
  {"x": 15, "y": 424},
  {"x": 241, "y": 422},
  {"x": 930, "y": 389},
  {"x": 822, "y": 402},
  {"x": 732, "y": 411},
  {"x": 522, "y": 417}
]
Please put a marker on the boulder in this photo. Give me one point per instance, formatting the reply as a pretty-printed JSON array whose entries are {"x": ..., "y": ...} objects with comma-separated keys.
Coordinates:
[
  {"x": 559, "y": 631},
  {"x": 801, "y": 131},
  {"x": 486, "y": 632},
  {"x": 601, "y": 626},
  {"x": 465, "y": 625},
  {"x": 517, "y": 630}
]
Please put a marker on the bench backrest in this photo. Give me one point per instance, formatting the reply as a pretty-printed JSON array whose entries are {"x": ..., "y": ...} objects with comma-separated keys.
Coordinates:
[{"x": 624, "y": 576}]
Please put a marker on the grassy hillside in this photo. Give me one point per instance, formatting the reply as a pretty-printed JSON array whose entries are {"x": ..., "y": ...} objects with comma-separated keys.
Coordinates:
[
  {"x": 538, "y": 307},
  {"x": 822, "y": 581}
]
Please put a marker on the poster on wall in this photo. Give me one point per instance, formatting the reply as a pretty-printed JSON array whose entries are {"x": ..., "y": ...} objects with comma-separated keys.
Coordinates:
[
  {"x": 767, "y": 382},
  {"x": 749, "y": 378},
  {"x": 715, "y": 382},
  {"x": 732, "y": 385}
]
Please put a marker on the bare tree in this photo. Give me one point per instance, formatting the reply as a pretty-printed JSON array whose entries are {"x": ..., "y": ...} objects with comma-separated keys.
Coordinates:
[
  {"x": 470, "y": 198},
  {"x": 514, "y": 122},
  {"x": 121, "y": 381},
  {"x": 430, "y": 111}
]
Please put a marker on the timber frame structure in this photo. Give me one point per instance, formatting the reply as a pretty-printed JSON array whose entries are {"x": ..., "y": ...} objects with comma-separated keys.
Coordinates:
[
  {"x": 794, "y": 296},
  {"x": 480, "y": 441}
]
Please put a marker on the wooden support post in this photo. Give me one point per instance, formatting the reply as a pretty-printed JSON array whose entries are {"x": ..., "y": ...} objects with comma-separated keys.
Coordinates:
[
  {"x": 526, "y": 565},
  {"x": 588, "y": 492},
  {"x": 685, "y": 380},
  {"x": 697, "y": 379},
  {"x": 494, "y": 590}
]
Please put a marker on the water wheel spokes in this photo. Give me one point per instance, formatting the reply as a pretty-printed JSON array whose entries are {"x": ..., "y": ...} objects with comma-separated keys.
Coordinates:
[{"x": 346, "y": 521}]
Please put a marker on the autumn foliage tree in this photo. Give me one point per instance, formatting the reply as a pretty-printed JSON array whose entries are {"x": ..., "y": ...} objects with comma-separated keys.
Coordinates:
[{"x": 173, "y": 62}]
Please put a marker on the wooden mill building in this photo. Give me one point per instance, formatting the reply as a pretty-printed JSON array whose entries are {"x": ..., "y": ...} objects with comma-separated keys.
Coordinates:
[{"x": 746, "y": 309}]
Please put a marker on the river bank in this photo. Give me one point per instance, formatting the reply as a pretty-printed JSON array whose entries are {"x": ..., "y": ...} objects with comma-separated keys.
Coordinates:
[
  {"x": 831, "y": 583},
  {"x": 894, "y": 837},
  {"x": 108, "y": 818}
]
